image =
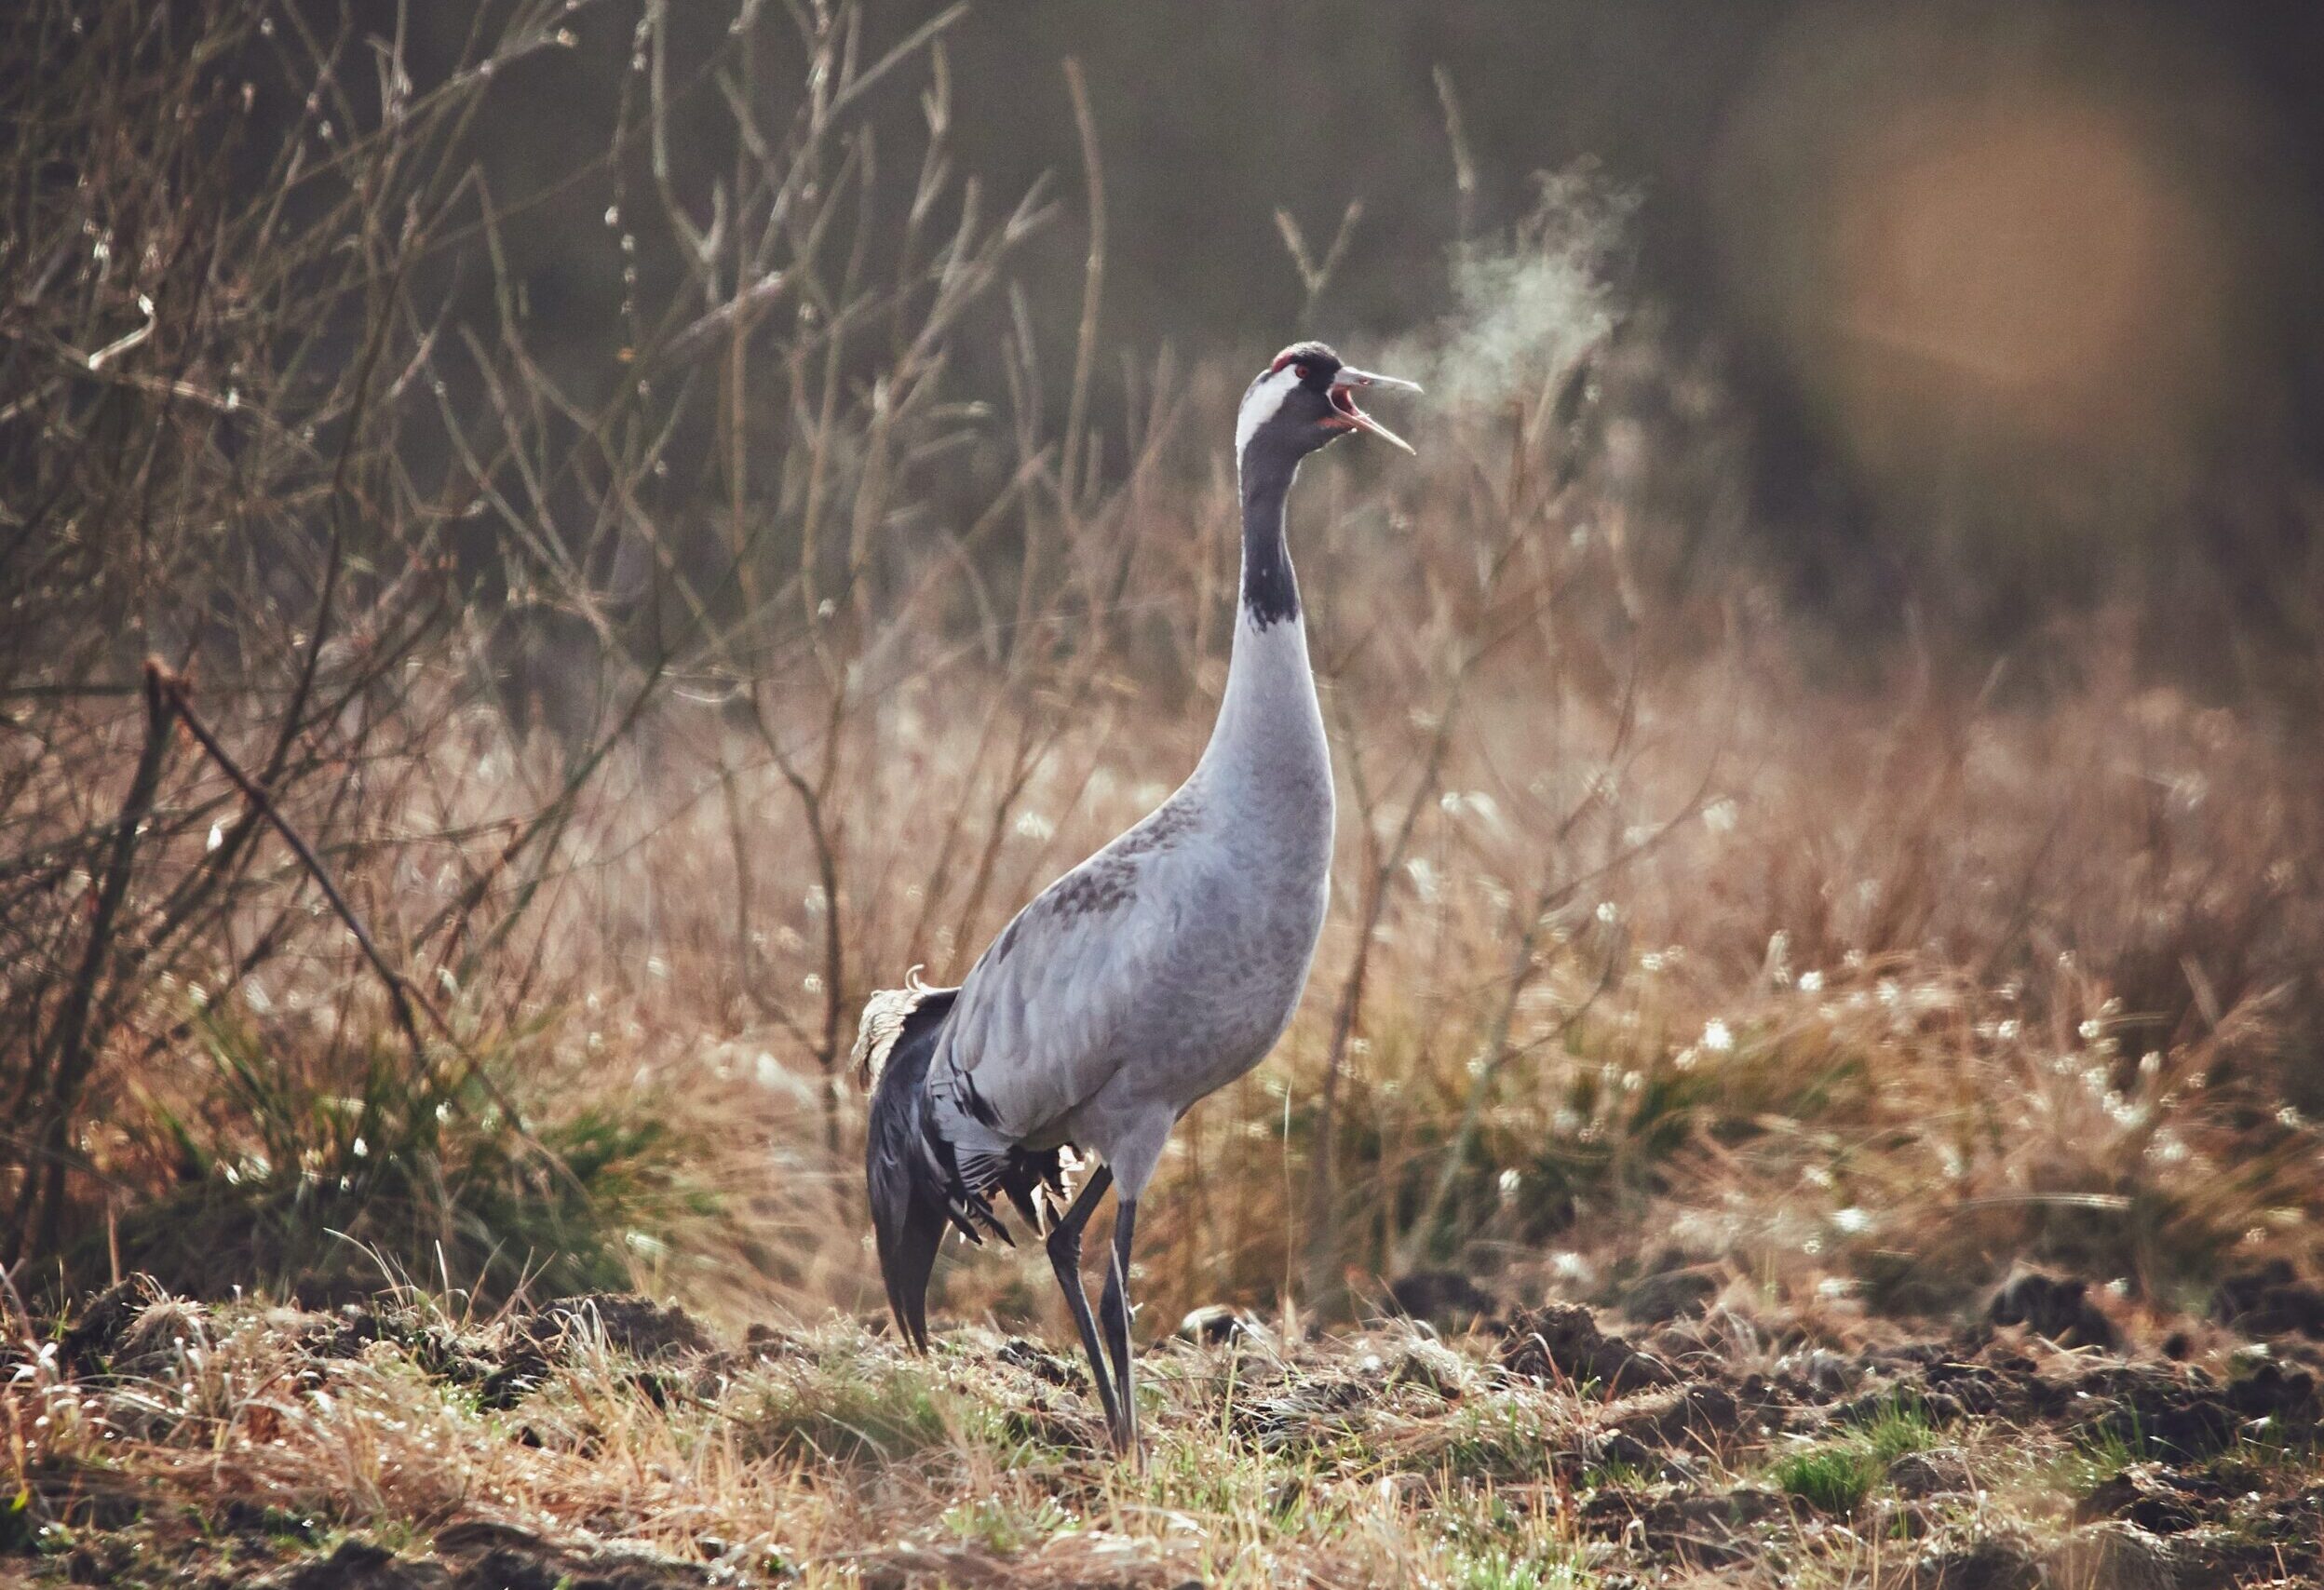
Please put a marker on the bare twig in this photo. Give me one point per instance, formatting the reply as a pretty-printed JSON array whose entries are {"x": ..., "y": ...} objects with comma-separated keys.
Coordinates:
[
  {"x": 1092, "y": 285},
  {"x": 400, "y": 993},
  {"x": 1464, "y": 162},
  {"x": 62, "y": 1066},
  {"x": 1314, "y": 275}
]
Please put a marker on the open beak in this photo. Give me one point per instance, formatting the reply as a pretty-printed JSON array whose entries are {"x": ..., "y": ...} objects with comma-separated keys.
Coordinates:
[{"x": 1346, "y": 412}]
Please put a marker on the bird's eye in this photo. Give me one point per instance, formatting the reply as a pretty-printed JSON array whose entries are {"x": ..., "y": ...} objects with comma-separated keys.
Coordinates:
[{"x": 1300, "y": 370}]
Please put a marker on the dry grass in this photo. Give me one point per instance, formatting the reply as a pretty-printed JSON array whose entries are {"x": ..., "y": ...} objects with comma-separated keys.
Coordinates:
[
  {"x": 1877, "y": 981},
  {"x": 827, "y": 1453},
  {"x": 242, "y": 1439},
  {"x": 1783, "y": 1035},
  {"x": 1660, "y": 937}
]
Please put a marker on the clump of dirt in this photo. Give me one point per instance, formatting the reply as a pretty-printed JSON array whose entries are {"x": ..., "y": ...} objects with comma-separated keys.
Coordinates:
[
  {"x": 501, "y": 1363},
  {"x": 88, "y": 1344},
  {"x": 1446, "y": 1299},
  {"x": 2270, "y": 1300},
  {"x": 159, "y": 1336},
  {"x": 1940, "y": 1471},
  {"x": 2184, "y": 1412},
  {"x": 2271, "y": 1390},
  {"x": 1562, "y": 1341},
  {"x": 2153, "y": 1496},
  {"x": 1042, "y": 1363},
  {"x": 1692, "y": 1527},
  {"x": 1666, "y": 1295},
  {"x": 1714, "y": 1340},
  {"x": 2111, "y": 1556},
  {"x": 360, "y": 1565},
  {"x": 1991, "y": 1381},
  {"x": 1989, "y": 1563},
  {"x": 492, "y": 1554},
  {"x": 1701, "y": 1415},
  {"x": 1090, "y": 1560},
  {"x": 1433, "y": 1366},
  {"x": 2290, "y": 1529},
  {"x": 1656, "y": 1474},
  {"x": 486, "y": 1557},
  {"x": 2058, "y": 1308},
  {"x": 504, "y": 1361},
  {"x": 643, "y": 1329},
  {"x": 238, "y": 1542},
  {"x": 1306, "y": 1410},
  {"x": 1818, "y": 1375}
]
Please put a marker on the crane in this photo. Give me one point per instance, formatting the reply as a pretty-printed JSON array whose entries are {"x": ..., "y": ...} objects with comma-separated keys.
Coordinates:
[{"x": 1157, "y": 971}]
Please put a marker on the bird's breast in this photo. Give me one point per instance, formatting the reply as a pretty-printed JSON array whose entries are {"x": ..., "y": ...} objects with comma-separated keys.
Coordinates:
[{"x": 1242, "y": 937}]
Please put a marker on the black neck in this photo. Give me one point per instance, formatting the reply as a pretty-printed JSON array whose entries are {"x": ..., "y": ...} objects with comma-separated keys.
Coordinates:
[{"x": 1270, "y": 591}]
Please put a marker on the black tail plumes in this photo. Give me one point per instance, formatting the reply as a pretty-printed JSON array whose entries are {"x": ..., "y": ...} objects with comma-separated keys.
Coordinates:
[
  {"x": 915, "y": 1181},
  {"x": 908, "y": 1211}
]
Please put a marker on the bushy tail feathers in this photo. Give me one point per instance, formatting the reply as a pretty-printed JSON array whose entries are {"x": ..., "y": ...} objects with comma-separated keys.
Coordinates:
[
  {"x": 913, "y": 1176},
  {"x": 908, "y": 1208}
]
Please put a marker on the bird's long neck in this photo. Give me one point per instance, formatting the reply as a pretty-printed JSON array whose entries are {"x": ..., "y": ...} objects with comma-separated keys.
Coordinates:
[
  {"x": 1270, "y": 590},
  {"x": 1269, "y": 737}
]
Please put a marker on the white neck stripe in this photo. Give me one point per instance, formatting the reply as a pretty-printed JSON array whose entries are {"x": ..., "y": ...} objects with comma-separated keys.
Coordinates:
[{"x": 1260, "y": 404}]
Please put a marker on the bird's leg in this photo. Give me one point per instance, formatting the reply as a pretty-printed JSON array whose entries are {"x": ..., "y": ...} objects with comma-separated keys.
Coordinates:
[
  {"x": 1065, "y": 1259},
  {"x": 1113, "y": 1312}
]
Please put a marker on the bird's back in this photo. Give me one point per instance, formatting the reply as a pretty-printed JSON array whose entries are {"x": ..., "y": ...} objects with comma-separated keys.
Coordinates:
[{"x": 1160, "y": 968}]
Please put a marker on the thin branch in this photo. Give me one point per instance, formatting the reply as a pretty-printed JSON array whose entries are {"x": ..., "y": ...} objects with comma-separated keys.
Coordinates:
[
  {"x": 400, "y": 993},
  {"x": 1092, "y": 286},
  {"x": 68, "y": 1054}
]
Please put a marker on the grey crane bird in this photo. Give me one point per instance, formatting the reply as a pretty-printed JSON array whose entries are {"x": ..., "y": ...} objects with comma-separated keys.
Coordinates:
[{"x": 1147, "y": 977}]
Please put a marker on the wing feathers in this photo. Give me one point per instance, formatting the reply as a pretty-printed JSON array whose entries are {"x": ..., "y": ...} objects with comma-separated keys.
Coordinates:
[
  {"x": 1031, "y": 1033},
  {"x": 1042, "y": 1016}
]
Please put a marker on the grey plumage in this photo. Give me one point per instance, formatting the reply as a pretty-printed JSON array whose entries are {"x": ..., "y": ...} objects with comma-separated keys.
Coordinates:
[{"x": 1152, "y": 975}]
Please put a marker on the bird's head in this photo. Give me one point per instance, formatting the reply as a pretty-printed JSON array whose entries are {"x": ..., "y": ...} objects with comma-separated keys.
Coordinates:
[{"x": 1305, "y": 398}]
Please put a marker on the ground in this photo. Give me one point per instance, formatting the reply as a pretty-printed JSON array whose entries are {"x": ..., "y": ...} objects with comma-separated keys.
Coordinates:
[{"x": 613, "y": 1442}]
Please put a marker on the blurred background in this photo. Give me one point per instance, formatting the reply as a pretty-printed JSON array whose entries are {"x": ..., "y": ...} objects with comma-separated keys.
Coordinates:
[
  {"x": 2015, "y": 302},
  {"x": 551, "y": 548}
]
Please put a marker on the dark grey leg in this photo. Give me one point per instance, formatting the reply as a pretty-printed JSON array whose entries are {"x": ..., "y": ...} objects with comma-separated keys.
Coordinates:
[
  {"x": 1114, "y": 1311},
  {"x": 1065, "y": 1259}
]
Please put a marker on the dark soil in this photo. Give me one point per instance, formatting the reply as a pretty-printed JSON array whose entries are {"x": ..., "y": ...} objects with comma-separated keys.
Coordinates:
[
  {"x": 2060, "y": 1310},
  {"x": 2270, "y": 1300},
  {"x": 1675, "y": 1455},
  {"x": 1563, "y": 1342},
  {"x": 1444, "y": 1299},
  {"x": 485, "y": 1557}
]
